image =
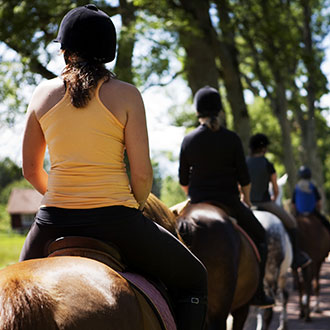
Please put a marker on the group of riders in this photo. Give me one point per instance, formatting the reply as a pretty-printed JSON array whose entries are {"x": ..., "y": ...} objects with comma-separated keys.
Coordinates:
[
  {"x": 213, "y": 167},
  {"x": 88, "y": 118}
]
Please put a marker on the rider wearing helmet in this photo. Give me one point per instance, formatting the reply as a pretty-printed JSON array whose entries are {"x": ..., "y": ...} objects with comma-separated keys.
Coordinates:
[
  {"x": 306, "y": 198},
  {"x": 262, "y": 172},
  {"x": 212, "y": 166},
  {"x": 87, "y": 118}
]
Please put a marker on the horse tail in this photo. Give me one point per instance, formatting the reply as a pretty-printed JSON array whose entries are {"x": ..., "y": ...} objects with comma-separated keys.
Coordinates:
[{"x": 25, "y": 305}]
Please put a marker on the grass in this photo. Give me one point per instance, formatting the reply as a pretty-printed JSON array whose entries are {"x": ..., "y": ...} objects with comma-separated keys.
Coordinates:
[
  {"x": 10, "y": 248},
  {"x": 10, "y": 243}
]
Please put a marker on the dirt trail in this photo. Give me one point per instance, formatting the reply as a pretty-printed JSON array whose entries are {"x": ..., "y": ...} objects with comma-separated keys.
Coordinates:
[{"x": 319, "y": 321}]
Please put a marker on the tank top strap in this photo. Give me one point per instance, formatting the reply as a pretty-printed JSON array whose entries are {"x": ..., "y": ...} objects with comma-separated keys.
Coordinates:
[{"x": 99, "y": 84}]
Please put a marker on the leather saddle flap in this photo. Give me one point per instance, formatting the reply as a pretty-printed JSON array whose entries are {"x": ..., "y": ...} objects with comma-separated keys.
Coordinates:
[{"x": 89, "y": 248}]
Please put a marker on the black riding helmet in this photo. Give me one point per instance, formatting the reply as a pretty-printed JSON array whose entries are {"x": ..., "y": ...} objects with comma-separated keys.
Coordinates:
[
  {"x": 304, "y": 172},
  {"x": 207, "y": 102},
  {"x": 258, "y": 142},
  {"x": 89, "y": 32}
]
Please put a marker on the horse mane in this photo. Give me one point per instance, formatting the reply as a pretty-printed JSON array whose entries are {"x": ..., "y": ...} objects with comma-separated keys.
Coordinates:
[
  {"x": 158, "y": 212},
  {"x": 24, "y": 305}
]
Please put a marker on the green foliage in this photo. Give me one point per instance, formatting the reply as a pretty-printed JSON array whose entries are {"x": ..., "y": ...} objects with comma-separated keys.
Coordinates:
[
  {"x": 4, "y": 220},
  {"x": 13, "y": 101},
  {"x": 263, "y": 121},
  {"x": 171, "y": 192},
  {"x": 5, "y": 193},
  {"x": 10, "y": 248},
  {"x": 270, "y": 46},
  {"x": 9, "y": 172},
  {"x": 157, "y": 181},
  {"x": 183, "y": 116}
]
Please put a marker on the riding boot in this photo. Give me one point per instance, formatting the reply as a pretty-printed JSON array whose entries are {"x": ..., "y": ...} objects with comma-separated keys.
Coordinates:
[
  {"x": 191, "y": 313},
  {"x": 260, "y": 298},
  {"x": 300, "y": 258}
]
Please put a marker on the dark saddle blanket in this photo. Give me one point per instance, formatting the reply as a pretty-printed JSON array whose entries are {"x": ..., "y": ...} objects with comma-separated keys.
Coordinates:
[{"x": 151, "y": 297}]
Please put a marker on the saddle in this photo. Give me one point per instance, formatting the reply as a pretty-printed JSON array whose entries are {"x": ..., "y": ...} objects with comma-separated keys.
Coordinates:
[
  {"x": 180, "y": 208},
  {"x": 154, "y": 303}
]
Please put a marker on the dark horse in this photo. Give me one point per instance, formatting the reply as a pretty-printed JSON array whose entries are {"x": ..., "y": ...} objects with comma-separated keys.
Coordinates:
[
  {"x": 314, "y": 239},
  {"x": 75, "y": 293},
  {"x": 232, "y": 265}
]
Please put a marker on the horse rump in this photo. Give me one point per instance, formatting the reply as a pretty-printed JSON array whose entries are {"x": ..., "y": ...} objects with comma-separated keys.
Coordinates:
[{"x": 25, "y": 305}]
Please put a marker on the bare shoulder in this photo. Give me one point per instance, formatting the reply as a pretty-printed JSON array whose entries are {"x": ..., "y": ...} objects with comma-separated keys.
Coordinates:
[
  {"x": 120, "y": 88},
  {"x": 121, "y": 99},
  {"x": 46, "y": 95}
]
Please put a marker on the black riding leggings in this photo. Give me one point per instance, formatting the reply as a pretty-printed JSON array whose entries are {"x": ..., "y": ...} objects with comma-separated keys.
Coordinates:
[
  {"x": 145, "y": 246},
  {"x": 246, "y": 219}
]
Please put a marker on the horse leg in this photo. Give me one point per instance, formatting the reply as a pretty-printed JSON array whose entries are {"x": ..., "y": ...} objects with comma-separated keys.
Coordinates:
[
  {"x": 316, "y": 289},
  {"x": 307, "y": 285},
  {"x": 284, "y": 297},
  {"x": 298, "y": 285},
  {"x": 239, "y": 317},
  {"x": 267, "y": 318}
]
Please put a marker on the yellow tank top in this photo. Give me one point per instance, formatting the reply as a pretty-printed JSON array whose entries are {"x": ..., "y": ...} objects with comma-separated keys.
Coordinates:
[{"x": 86, "y": 149}]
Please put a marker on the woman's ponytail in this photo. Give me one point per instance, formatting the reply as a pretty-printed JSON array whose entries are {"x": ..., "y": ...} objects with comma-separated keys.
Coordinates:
[{"x": 81, "y": 78}]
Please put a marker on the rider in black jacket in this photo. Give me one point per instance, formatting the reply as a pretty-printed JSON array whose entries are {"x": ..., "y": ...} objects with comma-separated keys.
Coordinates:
[{"x": 213, "y": 167}]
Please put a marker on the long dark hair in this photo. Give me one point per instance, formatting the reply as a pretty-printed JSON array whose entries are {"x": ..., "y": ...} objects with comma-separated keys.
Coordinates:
[{"x": 81, "y": 77}]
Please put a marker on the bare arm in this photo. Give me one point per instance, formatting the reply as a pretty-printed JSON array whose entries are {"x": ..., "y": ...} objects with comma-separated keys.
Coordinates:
[
  {"x": 33, "y": 149},
  {"x": 273, "y": 180},
  {"x": 185, "y": 189},
  {"x": 137, "y": 147},
  {"x": 246, "y": 194}
]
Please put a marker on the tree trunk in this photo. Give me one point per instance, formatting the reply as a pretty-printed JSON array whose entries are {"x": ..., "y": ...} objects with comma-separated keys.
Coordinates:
[
  {"x": 280, "y": 110},
  {"x": 202, "y": 53},
  {"x": 228, "y": 55},
  {"x": 200, "y": 65},
  {"x": 126, "y": 42},
  {"x": 310, "y": 154},
  {"x": 200, "y": 61}
]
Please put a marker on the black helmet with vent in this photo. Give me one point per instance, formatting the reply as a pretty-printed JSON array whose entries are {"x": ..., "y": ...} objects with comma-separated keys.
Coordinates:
[
  {"x": 207, "y": 102},
  {"x": 304, "y": 173},
  {"x": 89, "y": 32},
  {"x": 258, "y": 142}
]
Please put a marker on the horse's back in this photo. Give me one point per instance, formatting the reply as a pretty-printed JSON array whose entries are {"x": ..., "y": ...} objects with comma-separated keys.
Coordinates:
[
  {"x": 66, "y": 293},
  {"x": 314, "y": 237},
  {"x": 277, "y": 236}
]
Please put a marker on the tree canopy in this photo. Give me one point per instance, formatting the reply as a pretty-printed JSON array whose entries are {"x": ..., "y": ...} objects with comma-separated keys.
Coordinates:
[{"x": 272, "y": 50}]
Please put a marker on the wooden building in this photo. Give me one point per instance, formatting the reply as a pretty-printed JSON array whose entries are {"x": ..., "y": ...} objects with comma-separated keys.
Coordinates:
[{"x": 22, "y": 206}]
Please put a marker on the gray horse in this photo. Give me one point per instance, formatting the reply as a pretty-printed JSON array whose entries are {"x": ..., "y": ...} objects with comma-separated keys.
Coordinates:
[{"x": 278, "y": 262}]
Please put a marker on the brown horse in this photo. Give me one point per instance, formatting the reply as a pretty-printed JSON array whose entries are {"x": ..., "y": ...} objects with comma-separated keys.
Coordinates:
[
  {"x": 314, "y": 239},
  {"x": 232, "y": 265},
  {"x": 66, "y": 293},
  {"x": 71, "y": 292}
]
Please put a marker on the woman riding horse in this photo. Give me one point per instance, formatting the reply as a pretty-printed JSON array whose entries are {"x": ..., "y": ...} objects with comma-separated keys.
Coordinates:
[
  {"x": 87, "y": 118},
  {"x": 306, "y": 198},
  {"x": 262, "y": 173},
  {"x": 212, "y": 164}
]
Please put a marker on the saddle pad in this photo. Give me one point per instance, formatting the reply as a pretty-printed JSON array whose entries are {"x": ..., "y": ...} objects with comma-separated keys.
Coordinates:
[{"x": 155, "y": 297}]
